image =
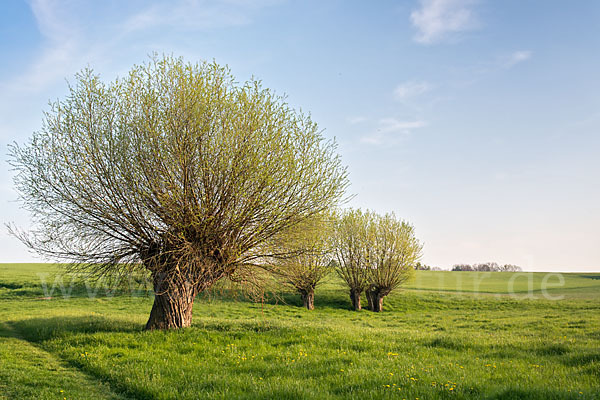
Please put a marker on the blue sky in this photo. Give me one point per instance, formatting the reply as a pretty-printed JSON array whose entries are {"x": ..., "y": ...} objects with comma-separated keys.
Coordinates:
[{"x": 476, "y": 120}]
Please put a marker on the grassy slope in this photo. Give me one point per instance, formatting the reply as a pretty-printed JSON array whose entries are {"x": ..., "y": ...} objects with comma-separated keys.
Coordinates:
[
  {"x": 431, "y": 342},
  {"x": 519, "y": 284}
]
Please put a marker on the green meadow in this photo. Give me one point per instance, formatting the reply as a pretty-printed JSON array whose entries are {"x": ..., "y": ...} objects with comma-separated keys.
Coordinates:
[{"x": 447, "y": 335}]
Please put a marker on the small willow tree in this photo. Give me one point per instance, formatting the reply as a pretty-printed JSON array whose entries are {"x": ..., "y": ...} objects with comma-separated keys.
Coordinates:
[
  {"x": 392, "y": 252},
  {"x": 308, "y": 258},
  {"x": 175, "y": 170},
  {"x": 375, "y": 254},
  {"x": 349, "y": 242}
]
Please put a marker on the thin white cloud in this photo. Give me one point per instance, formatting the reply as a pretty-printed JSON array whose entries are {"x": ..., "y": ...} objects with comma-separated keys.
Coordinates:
[
  {"x": 69, "y": 44},
  {"x": 410, "y": 89},
  {"x": 74, "y": 35},
  {"x": 50, "y": 20},
  {"x": 391, "y": 130},
  {"x": 516, "y": 58},
  {"x": 196, "y": 14},
  {"x": 356, "y": 120},
  {"x": 61, "y": 39},
  {"x": 393, "y": 125},
  {"x": 500, "y": 63},
  {"x": 436, "y": 20}
]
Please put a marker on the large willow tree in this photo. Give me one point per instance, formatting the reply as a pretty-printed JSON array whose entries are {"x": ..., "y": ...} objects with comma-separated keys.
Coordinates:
[{"x": 176, "y": 170}]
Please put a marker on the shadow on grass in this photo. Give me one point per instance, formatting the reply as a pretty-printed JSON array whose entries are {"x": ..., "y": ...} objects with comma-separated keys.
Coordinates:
[
  {"x": 41, "y": 329},
  {"x": 38, "y": 330},
  {"x": 534, "y": 394},
  {"x": 322, "y": 300},
  {"x": 449, "y": 343},
  {"x": 595, "y": 277},
  {"x": 552, "y": 350},
  {"x": 328, "y": 299},
  {"x": 51, "y": 334},
  {"x": 583, "y": 359}
]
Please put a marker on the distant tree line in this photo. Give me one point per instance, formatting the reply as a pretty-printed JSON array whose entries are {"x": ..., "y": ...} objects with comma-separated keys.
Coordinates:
[
  {"x": 423, "y": 267},
  {"x": 487, "y": 267}
]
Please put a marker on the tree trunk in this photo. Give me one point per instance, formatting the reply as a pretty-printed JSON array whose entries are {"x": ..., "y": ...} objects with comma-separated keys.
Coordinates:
[
  {"x": 308, "y": 299},
  {"x": 355, "y": 299},
  {"x": 375, "y": 300},
  {"x": 173, "y": 303}
]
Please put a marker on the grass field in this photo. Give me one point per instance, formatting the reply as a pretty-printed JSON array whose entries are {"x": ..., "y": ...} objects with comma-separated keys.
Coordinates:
[{"x": 449, "y": 335}]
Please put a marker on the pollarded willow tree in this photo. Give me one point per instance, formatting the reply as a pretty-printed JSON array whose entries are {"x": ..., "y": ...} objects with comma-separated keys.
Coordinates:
[
  {"x": 175, "y": 170},
  {"x": 392, "y": 252},
  {"x": 307, "y": 256},
  {"x": 375, "y": 254},
  {"x": 349, "y": 242}
]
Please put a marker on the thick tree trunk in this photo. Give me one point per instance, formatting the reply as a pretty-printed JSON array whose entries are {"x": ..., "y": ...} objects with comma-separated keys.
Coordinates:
[
  {"x": 377, "y": 304},
  {"x": 308, "y": 299},
  {"x": 355, "y": 299},
  {"x": 173, "y": 303},
  {"x": 375, "y": 300}
]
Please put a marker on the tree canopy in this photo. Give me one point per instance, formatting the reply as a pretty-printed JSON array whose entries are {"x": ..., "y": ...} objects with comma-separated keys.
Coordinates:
[
  {"x": 350, "y": 242},
  {"x": 175, "y": 169},
  {"x": 308, "y": 256},
  {"x": 393, "y": 250},
  {"x": 375, "y": 254}
]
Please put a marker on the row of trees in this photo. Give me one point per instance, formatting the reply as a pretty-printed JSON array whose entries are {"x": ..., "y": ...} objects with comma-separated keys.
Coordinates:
[
  {"x": 487, "y": 267},
  {"x": 178, "y": 171},
  {"x": 419, "y": 266},
  {"x": 373, "y": 254}
]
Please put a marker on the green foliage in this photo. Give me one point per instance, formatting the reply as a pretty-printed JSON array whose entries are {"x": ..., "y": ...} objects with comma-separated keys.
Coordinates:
[
  {"x": 307, "y": 255},
  {"x": 175, "y": 169},
  {"x": 173, "y": 164},
  {"x": 392, "y": 252},
  {"x": 375, "y": 253},
  {"x": 350, "y": 241}
]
